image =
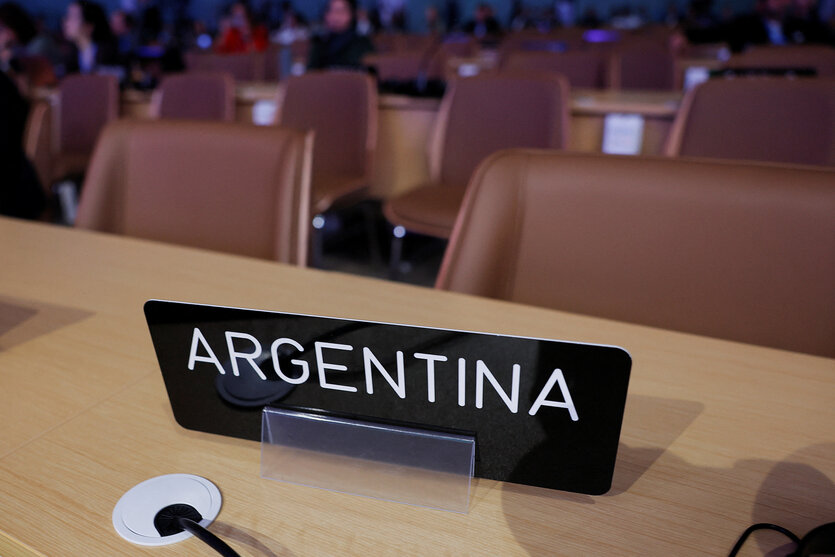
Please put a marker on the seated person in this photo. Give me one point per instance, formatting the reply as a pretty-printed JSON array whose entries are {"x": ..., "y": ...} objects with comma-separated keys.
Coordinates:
[
  {"x": 239, "y": 34},
  {"x": 20, "y": 191},
  {"x": 340, "y": 46},
  {"x": 87, "y": 27}
]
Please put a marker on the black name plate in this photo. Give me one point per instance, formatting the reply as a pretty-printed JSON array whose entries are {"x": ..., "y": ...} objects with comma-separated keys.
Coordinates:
[{"x": 544, "y": 413}]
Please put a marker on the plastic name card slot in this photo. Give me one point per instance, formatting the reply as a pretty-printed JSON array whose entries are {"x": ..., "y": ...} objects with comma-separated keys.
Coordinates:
[
  {"x": 623, "y": 134},
  {"x": 410, "y": 465}
]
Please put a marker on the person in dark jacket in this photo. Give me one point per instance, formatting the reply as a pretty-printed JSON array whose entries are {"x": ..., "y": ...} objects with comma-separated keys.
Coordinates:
[
  {"x": 340, "y": 46},
  {"x": 21, "y": 194}
]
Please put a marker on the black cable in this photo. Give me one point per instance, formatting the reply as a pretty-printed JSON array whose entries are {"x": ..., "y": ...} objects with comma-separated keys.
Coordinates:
[
  {"x": 175, "y": 518},
  {"x": 761, "y": 526},
  {"x": 213, "y": 541}
]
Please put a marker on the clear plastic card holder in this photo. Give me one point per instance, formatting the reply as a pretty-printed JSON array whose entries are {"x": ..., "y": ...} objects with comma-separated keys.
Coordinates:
[{"x": 394, "y": 463}]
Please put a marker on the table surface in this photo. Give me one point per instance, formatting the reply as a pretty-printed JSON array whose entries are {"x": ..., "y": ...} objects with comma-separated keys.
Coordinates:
[
  {"x": 586, "y": 101},
  {"x": 716, "y": 436}
]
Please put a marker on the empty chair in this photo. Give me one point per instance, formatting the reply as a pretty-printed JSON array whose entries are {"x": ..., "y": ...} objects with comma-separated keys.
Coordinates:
[
  {"x": 741, "y": 251},
  {"x": 765, "y": 119},
  {"x": 88, "y": 103},
  {"x": 477, "y": 117},
  {"x": 341, "y": 108},
  {"x": 228, "y": 187},
  {"x": 196, "y": 96},
  {"x": 407, "y": 65},
  {"x": 642, "y": 67},
  {"x": 583, "y": 68}
]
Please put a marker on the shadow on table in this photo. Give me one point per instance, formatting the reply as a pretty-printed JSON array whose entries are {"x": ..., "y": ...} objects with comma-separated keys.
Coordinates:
[
  {"x": 24, "y": 320},
  {"x": 794, "y": 493},
  {"x": 256, "y": 542}
]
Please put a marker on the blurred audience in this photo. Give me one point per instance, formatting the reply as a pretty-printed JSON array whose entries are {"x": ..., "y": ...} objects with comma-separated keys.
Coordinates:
[
  {"x": 778, "y": 22},
  {"x": 339, "y": 46}
]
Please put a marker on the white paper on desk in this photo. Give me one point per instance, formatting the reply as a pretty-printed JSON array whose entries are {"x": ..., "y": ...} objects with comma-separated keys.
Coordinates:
[
  {"x": 263, "y": 112},
  {"x": 695, "y": 75},
  {"x": 623, "y": 134}
]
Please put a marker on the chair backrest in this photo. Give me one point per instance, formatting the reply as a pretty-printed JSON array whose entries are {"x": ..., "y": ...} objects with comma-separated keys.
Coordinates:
[
  {"x": 37, "y": 141},
  {"x": 88, "y": 103},
  {"x": 737, "y": 251},
  {"x": 248, "y": 66},
  {"x": 197, "y": 96},
  {"x": 820, "y": 58},
  {"x": 229, "y": 187},
  {"x": 483, "y": 114},
  {"x": 583, "y": 68},
  {"x": 341, "y": 107},
  {"x": 765, "y": 119}
]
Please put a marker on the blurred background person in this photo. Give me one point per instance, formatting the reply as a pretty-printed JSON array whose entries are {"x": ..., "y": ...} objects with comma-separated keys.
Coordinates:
[
  {"x": 86, "y": 26},
  {"x": 239, "y": 33},
  {"x": 484, "y": 24},
  {"x": 123, "y": 28},
  {"x": 339, "y": 46}
]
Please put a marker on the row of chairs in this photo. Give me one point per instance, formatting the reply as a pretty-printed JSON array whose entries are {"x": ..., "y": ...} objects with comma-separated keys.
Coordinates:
[{"x": 744, "y": 251}]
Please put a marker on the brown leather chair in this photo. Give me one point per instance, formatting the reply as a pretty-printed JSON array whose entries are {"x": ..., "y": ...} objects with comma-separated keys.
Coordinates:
[
  {"x": 37, "y": 141},
  {"x": 229, "y": 187},
  {"x": 765, "y": 119},
  {"x": 196, "y": 96},
  {"x": 248, "y": 66},
  {"x": 644, "y": 67},
  {"x": 584, "y": 68},
  {"x": 477, "y": 117},
  {"x": 88, "y": 103},
  {"x": 341, "y": 108},
  {"x": 820, "y": 58},
  {"x": 738, "y": 251}
]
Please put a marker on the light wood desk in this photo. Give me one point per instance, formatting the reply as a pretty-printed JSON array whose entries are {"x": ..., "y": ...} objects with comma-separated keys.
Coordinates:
[{"x": 717, "y": 435}]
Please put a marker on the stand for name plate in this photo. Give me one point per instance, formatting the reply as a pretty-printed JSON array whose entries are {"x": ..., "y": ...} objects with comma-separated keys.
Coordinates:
[{"x": 348, "y": 455}]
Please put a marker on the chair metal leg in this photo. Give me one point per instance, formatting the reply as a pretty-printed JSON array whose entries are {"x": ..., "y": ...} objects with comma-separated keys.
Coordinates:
[
  {"x": 317, "y": 240},
  {"x": 396, "y": 252},
  {"x": 370, "y": 217},
  {"x": 67, "y": 194}
]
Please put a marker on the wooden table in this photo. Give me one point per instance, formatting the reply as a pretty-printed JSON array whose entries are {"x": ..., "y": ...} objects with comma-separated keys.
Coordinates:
[{"x": 717, "y": 435}]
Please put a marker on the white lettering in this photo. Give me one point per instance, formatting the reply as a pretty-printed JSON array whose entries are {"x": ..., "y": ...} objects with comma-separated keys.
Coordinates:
[
  {"x": 481, "y": 371},
  {"x": 249, "y": 357},
  {"x": 301, "y": 363},
  {"x": 430, "y": 372},
  {"x": 556, "y": 377},
  {"x": 462, "y": 381},
  {"x": 322, "y": 366},
  {"x": 368, "y": 358},
  {"x": 197, "y": 336}
]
